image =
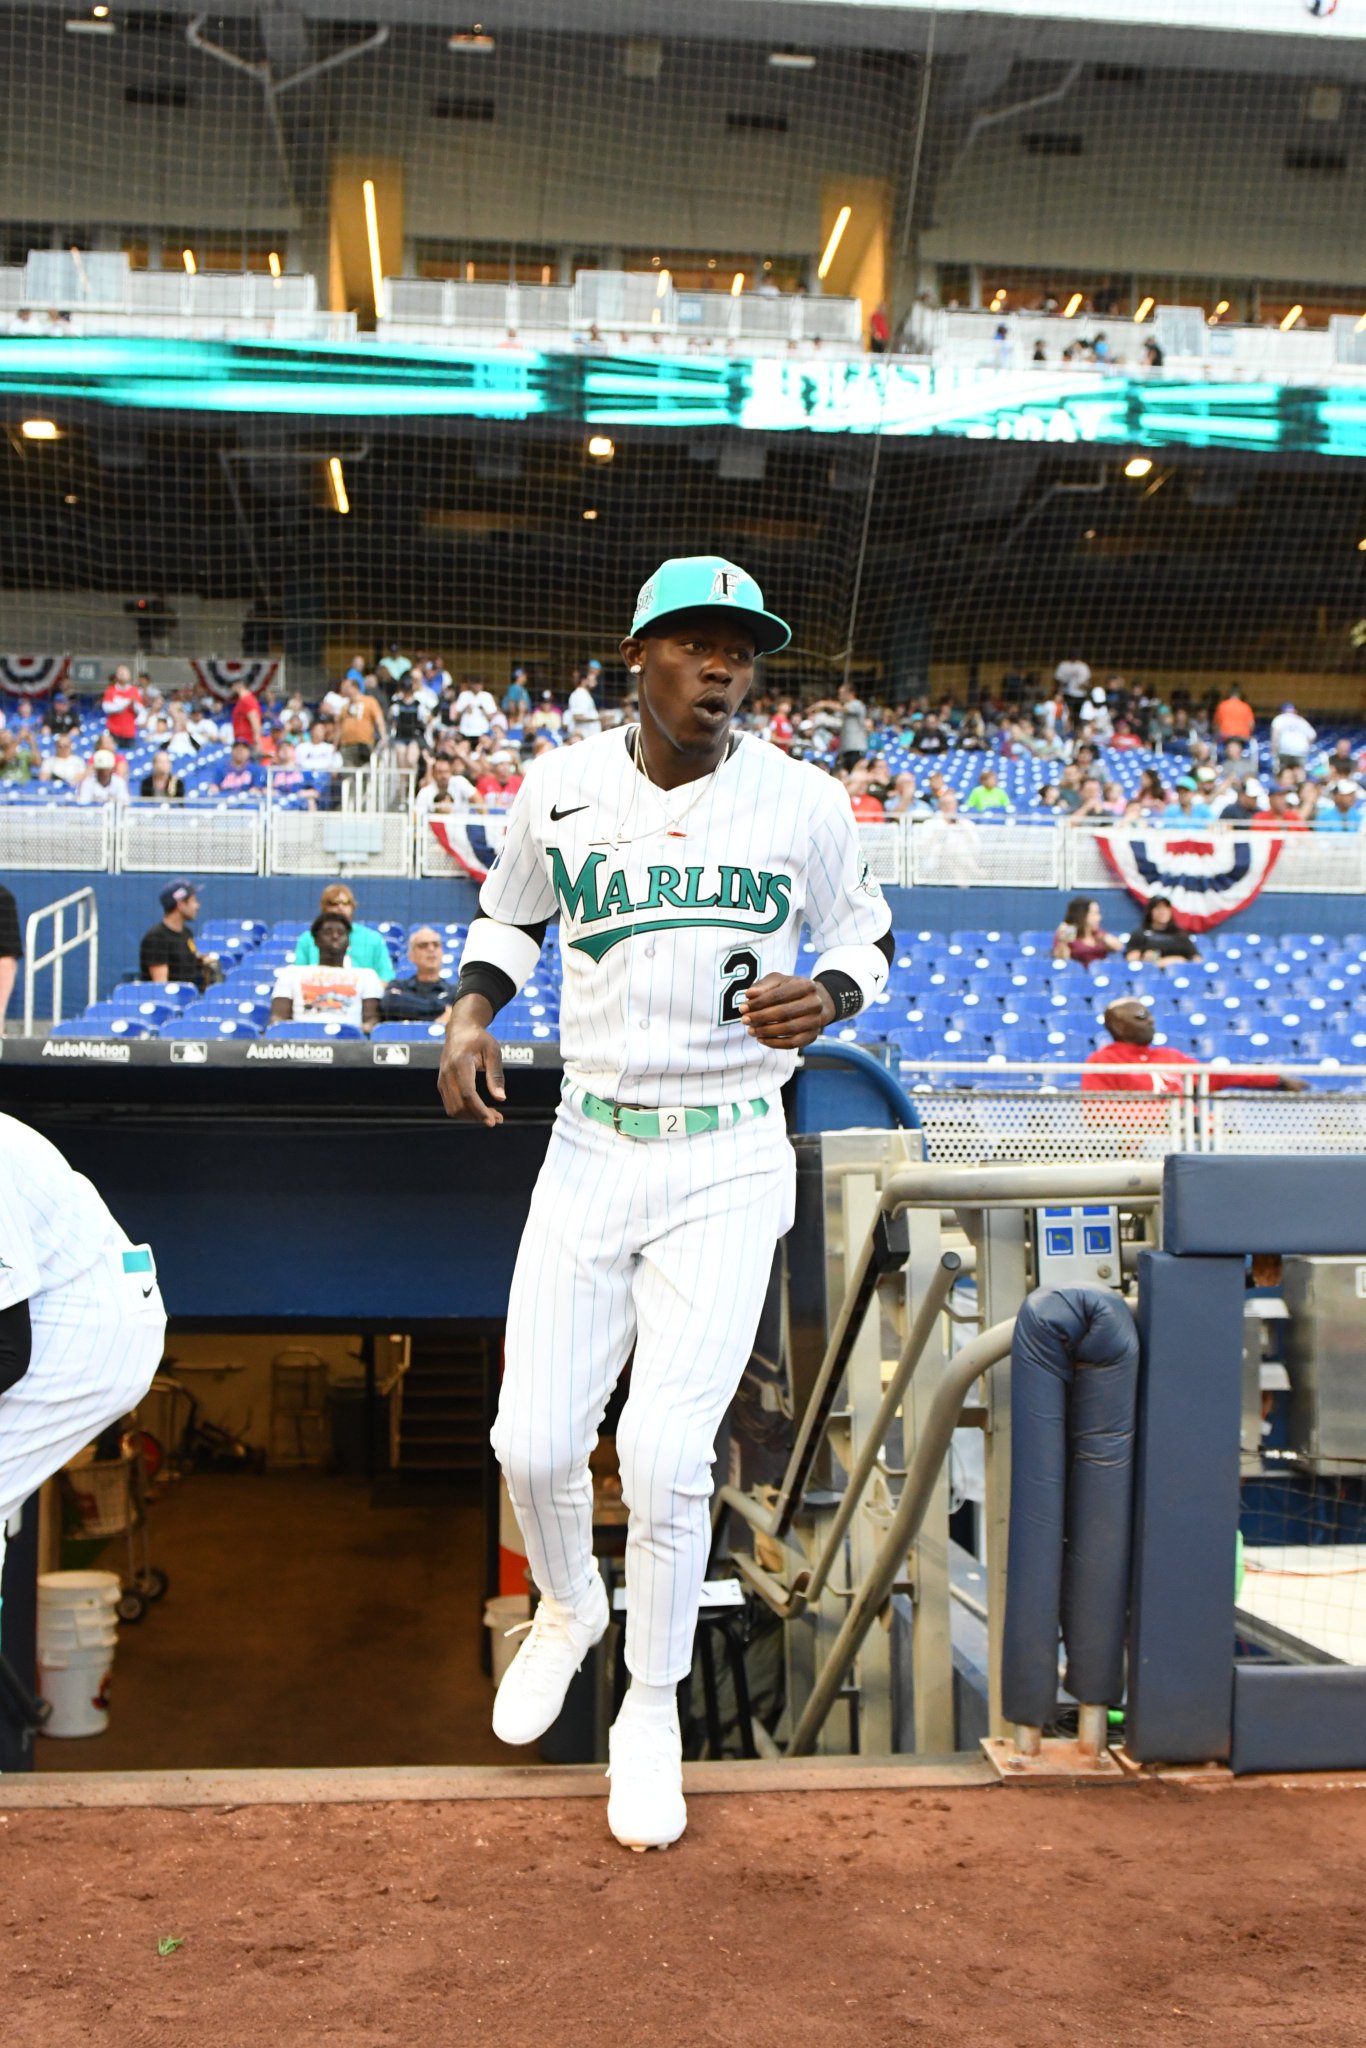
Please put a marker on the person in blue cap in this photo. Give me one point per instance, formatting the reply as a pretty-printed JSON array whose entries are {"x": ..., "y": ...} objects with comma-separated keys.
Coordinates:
[{"x": 682, "y": 859}]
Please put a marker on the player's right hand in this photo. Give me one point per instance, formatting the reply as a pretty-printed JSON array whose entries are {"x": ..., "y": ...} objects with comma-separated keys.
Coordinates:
[{"x": 469, "y": 1051}]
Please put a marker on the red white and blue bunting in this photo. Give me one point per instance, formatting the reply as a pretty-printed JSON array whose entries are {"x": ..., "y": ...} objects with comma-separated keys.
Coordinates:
[
  {"x": 472, "y": 843},
  {"x": 1207, "y": 877},
  {"x": 222, "y": 677},
  {"x": 31, "y": 675}
]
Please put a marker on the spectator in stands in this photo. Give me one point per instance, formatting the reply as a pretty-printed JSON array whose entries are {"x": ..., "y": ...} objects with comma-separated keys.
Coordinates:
[
  {"x": 1158, "y": 937},
  {"x": 1131, "y": 1027},
  {"x": 1080, "y": 936},
  {"x": 168, "y": 951},
  {"x": 779, "y": 729},
  {"x": 240, "y": 775},
  {"x": 1282, "y": 813},
  {"x": 329, "y": 989},
  {"x": 1096, "y": 714},
  {"x": 120, "y": 705},
  {"x": 865, "y": 806},
  {"x": 366, "y": 947},
  {"x": 1073, "y": 678},
  {"x": 500, "y": 784},
  {"x": 1152, "y": 794},
  {"x": 1090, "y": 809},
  {"x": 317, "y": 755},
  {"x": 1124, "y": 738},
  {"x": 161, "y": 784},
  {"x": 1069, "y": 791},
  {"x": 287, "y": 778},
  {"x": 18, "y": 758},
  {"x": 407, "y": 723},
  {"x": 11, "y": 949},
  {"x": 360, "y": 725},
  {"x": 988, "y": 796},
  {"x": 63, "y": 764},
  {"x": 1234, "y": 718},
  {"x": 1151, "y": 355},
  {"x": 396, "y": 666},
  {"x": 972, "y": 733},
  {"x": 1342, "y": 812},
  {"x": 1189, "y": 808},
  {"x": 1242, "y": 803},
  {"x": 547, "y": 716},
  {"x": 1291, "y": 737},
  {"x": 246, "y": 715},
  {"x": 931, "y": 737},
  {"x": 103, "y": 784},
  {"x": 581, "y": 713},
  {"x": 1046, "y": 803},
  {"x": 879, "y": 332},
  {"x": 905, "y": 801},
  {"x": 949, "y": 843},
  {"x": 424, "y": 996},
  {"x": 444, "y": 790},
  {"x": 516, "y": 704},
  {"x": 62, "y": 715},
  {"x": 473, "y": 709}
]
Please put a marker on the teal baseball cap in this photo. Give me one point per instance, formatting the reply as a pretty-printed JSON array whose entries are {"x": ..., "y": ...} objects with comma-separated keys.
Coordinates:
[{"x": 699, "y": 583}]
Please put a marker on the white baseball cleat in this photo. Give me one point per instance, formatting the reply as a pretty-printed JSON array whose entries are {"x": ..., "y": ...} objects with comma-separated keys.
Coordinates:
[
  {"x": 645, "y": 1807},
  {"x": 534, "y": 1685}
]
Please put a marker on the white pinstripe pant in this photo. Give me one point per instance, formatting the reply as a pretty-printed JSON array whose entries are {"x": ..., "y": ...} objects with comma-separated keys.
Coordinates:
[
  {"x": 96, "y": 1344},
  {"x": 661, "y": 1244}
]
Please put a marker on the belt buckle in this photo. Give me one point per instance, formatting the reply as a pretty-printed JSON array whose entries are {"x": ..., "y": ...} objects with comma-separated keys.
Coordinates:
[{"x": 618, "y": 1108}]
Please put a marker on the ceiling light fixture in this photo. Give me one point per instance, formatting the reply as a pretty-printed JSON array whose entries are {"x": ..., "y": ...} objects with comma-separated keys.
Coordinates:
[
  {"x": 836, "y": 237},
  {"x": 1145, "y": 306},
  {"x": 474, "y": 39},
  {"x": 372, "y": 238},
  {"x": 1073, "y": 306},
  {"x": 41, "y": 430},
  {"x": 1138, "y": 465},
  {"x": 275, "y": 265},
  {"x": 590, "y": 512},
  {"x": 791, "y": 60},
  {"x": 737, "y": 284},
  {"x": 601, "y": 447},
  {"x": 187, "y": 257},
  {"x": 1291, "y": 317},
  {"x": 337, "y": 479}
]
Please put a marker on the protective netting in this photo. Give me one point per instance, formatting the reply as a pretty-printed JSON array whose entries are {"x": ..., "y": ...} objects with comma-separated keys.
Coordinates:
[{"x": 350, "y": 301}]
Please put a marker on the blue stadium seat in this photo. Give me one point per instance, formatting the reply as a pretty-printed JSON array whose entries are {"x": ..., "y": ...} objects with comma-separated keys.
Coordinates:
[
  {"x": 218, "y": 1006},
  {"x": 192, "y": 1026},
  {"x": 150, "y": 1008},
  {"x": 102, "y": 1027},
  {"x": 290, "y": 928},
  {"x": 406, "y": 1034},
  {"x": 311, "y": 1029},
  {"x": 250, "y": 929},
  {"x": 248, "y": 985}
]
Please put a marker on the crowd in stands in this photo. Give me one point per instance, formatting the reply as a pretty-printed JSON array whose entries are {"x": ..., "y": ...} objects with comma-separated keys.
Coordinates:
[{"x": 1074, "y": 749}]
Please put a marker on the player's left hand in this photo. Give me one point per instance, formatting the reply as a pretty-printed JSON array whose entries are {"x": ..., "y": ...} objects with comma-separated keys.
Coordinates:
[{"x": 786, "y": 1011}]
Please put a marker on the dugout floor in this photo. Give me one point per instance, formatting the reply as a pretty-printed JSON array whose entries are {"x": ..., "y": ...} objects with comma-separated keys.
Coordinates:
[
  {"x": 304, "y": 1627},
  {"x": 1131, "y": 1917}
]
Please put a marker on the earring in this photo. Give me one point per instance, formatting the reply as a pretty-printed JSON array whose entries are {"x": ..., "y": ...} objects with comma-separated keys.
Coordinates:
[{"x": 635, "y": 668}]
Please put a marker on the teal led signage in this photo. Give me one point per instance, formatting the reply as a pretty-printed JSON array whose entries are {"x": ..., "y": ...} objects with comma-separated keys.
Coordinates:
[{"x": 863, "y": 395}]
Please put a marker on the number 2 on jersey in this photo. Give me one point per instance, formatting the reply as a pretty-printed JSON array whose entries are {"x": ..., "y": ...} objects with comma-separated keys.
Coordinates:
[{"x": 739, "y": 971}]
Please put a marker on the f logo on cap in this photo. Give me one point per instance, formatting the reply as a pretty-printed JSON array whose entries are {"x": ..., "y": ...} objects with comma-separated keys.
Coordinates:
[{"x": 724, "y": 585}]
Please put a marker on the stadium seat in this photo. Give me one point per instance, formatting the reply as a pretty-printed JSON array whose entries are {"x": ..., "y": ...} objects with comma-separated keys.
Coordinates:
[
  {"x": 191, "y": 1026},
  {"x": 312, "y": 1028},
  {"x": 151, "y": 1009},
  {"x": 407, "y": 1034},
  {"x": 102, "y": 1027},
  {"x": 220, "y": 1005}
]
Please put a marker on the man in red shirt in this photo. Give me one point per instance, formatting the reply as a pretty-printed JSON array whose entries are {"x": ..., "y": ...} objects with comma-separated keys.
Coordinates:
[
  {"x": 120, "y": 705},
  {"x": 502, "y": 781},
  {"x": 1130, "y": 1025},
  {"x": 246, "y": 717}
]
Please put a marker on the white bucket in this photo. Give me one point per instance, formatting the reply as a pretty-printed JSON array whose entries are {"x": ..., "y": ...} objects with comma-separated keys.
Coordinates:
[
  {"x": 501, "y": 1614},
  {"x": 72, "y": 1590},
  {"x": 76, "y": 1688}
]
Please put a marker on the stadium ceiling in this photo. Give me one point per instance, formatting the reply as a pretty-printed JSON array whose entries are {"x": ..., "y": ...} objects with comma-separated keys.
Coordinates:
[{"x": 813, "y": 25}]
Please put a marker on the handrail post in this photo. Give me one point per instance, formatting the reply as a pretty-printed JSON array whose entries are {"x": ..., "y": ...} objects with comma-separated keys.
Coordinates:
[{"x": 86, "y": 911}]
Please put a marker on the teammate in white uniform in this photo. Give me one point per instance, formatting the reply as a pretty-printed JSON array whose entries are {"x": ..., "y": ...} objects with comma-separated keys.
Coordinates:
[
  {"x": 682, "y": 860},
  {"x": 82, "y": 1326}
]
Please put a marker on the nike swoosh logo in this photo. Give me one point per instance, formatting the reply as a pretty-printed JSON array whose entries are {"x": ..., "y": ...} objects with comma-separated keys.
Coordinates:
[
  {"x": 148, "y": 1292},
  {"x": 556, "y": 815}
]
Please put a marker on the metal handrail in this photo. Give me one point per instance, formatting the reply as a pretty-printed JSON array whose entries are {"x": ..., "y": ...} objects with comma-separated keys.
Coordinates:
[
  {"x": 87, "y": 933},
  {"x": 963, "y": 1370}
]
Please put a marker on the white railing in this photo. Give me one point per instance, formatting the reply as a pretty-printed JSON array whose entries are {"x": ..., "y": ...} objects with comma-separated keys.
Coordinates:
[
  {"x": 97, "y": 291},
  {"x": 339, "y": 843},
  {"x": 971, "y": 340},
  {"x": 975, "y": 1112},
  {"x": 190, "y": 838},
  {"x": 55, "y": 836},
  {"x": 85, "y": 921}
]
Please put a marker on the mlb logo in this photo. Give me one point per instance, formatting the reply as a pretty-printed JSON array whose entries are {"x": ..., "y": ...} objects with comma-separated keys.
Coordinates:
[
  {"x": 390, "y": 1055},
  {"x": 190, "y": 1052}
]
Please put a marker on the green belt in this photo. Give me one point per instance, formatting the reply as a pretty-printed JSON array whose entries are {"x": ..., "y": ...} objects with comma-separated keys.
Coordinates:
[
  {"x": 656, "y": 1123},
  {"x": 139, "y": 1261}
]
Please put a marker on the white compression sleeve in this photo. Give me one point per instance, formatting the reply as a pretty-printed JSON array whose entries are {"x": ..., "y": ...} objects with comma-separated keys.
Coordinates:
[
  {"x": 866, "y": 966},
  {"x": 507, "y": 947}
]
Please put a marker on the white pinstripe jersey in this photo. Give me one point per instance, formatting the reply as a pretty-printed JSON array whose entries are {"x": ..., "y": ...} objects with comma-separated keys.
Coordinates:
[
  {"x": 53, "y": 1225},
  {"x": 672, "y": 903}
]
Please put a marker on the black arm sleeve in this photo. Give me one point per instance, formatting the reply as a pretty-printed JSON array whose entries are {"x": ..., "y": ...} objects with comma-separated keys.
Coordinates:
[
  {"x": 11, "y": 947},
  {"x": 16, "y": 1344},
  {"x": 481, "y": 978}
]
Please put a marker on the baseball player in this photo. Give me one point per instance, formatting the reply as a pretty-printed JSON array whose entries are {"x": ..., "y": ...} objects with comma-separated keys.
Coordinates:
[
  {"x": 81, "y": 1320},
  {"x": 682, "y": 860}
]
